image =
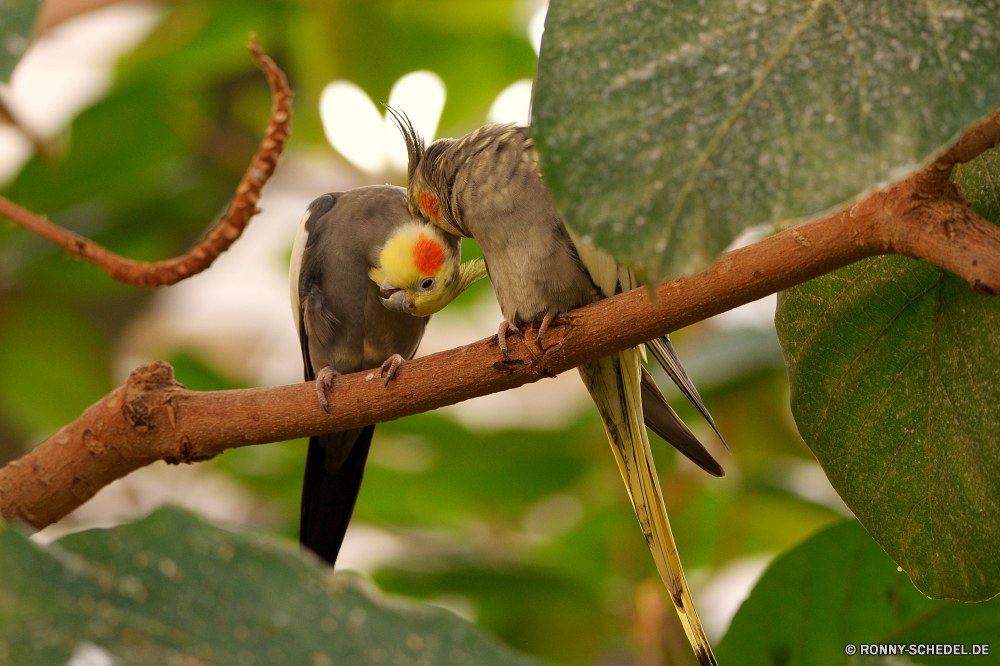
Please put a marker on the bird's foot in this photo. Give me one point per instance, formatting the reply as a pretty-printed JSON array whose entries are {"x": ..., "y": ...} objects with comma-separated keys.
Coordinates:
[
  {"x": 505, "y": 327},
  {"x": 390, "y": 366},
  {"x": 324, "y": 382},
  {"x": 546, "y": 320}
]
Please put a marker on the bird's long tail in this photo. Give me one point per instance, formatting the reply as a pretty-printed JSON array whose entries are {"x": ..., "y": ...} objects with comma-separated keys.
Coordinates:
[
  {"x": 614, "y": 384},
  {"x": 335, "y": 467}
]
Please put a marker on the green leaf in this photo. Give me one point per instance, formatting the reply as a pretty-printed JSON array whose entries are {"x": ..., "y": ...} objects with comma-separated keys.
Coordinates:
[
  {"x": 172, "y": 588},
  {"x": 17, "y": 17},
  {"x": 895, "y": 386},
  {"x": 667, "y": 128},
  {"x": 838, "y": 589}
]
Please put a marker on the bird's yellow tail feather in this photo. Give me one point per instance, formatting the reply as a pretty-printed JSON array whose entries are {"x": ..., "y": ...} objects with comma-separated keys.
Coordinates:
[{"x": 613, "y": 383}]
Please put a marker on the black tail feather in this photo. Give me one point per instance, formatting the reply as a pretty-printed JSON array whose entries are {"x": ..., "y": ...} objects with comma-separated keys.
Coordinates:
[
  {"x": 330, "y": 491},
  {"x": 663, "y": 420}
]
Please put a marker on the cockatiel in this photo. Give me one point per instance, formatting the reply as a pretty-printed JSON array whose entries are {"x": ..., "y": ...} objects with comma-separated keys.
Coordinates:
[
  {"x": 344, "y": 328},
  {"x": 488, "y": 186}
]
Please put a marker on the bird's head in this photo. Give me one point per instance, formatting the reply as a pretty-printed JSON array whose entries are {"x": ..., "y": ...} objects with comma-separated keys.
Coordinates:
[
  {"x": 420, "y": 272},
  {"x": 424, "y": 174}
]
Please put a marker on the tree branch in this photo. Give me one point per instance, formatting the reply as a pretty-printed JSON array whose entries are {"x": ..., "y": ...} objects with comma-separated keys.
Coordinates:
[
  {"x": 201, "y": 256},
  {"x": 153, "y": 418}
]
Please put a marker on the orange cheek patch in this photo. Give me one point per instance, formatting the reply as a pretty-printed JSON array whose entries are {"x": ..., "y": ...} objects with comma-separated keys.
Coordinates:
[
  {"x": 428, "y": 255},
  {"x": 431, "y": 205}
]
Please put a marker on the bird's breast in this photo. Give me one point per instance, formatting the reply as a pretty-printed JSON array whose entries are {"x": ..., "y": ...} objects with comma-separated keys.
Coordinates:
[
  {"x": 534, "y": 270},
  {"x": 392, "y": 333}
]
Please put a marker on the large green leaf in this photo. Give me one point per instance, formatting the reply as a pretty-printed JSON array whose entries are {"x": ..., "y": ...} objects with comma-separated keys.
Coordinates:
[
  {"x": 667, "y": 128},
  {"x": 171, "y": 588},
  {"x": 839, "y": 589},
  {"x": 895, "y": 383},
  {"x": 17, "y": 17}
]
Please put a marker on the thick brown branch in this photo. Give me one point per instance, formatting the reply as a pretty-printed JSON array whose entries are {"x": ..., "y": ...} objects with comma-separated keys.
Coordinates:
[
  {"x": 154, "y": 418},
  {"x": 201, "y": 256},
  {"x": 974, "y": 142}
]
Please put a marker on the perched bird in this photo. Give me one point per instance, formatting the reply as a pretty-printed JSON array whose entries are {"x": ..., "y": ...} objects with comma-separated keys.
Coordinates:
[
  {"x": 344, "y": 328},
  {"x": 488, "y": 186}
]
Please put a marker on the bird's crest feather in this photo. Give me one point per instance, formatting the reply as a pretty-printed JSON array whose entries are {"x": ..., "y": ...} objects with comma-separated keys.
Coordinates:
[{"x": 414, "y": 142}]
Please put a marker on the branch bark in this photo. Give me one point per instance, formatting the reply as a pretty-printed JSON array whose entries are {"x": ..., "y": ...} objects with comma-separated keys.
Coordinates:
[
  {"x": 152, "y": 417},
  {"x": 201, "y": 256}
]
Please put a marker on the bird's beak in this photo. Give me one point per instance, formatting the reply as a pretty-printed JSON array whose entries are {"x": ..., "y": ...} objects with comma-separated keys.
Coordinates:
[{"x": 394, "y": 298}]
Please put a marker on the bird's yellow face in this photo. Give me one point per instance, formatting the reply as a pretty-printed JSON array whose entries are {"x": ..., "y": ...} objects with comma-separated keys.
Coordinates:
[{"x": 419, "y": 270}]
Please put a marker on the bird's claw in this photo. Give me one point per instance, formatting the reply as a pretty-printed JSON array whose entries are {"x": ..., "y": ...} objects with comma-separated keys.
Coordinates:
[
  {"x": 390, "y": 366},
  {"x": 505, "y": 327},
  {"x": 543, "y": 327},
  {"x": 324, "y": 383}
]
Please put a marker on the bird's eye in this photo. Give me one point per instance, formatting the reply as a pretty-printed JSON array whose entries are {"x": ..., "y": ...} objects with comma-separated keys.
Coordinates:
[
  {"x": 422, "y": 214},
  {"x": 427, "y": 284}
]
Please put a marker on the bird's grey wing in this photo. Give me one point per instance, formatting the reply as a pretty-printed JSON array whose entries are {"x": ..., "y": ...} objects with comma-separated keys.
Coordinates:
[
  {"x": 335, "y": 462},
  {"x": 664, "y": 353},
  {"x": 663, "y": 420},
  {"x": 335, "y": 466},
  {"x": 611, "y": 278}
]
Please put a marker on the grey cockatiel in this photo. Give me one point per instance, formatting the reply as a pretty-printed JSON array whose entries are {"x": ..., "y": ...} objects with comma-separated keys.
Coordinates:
[
  {"x": 343, "y": 327},
  {"x": 487, "y": 185}
]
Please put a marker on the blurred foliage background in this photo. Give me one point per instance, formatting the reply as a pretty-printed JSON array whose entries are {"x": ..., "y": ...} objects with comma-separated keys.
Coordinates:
[{"x": 508, "y": 509}]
